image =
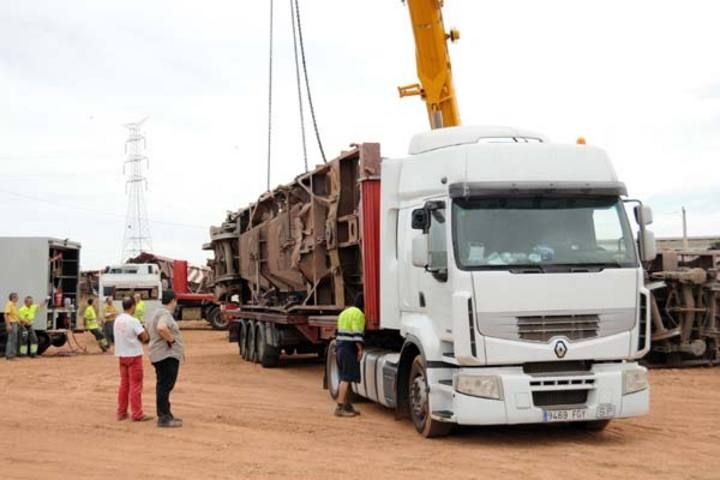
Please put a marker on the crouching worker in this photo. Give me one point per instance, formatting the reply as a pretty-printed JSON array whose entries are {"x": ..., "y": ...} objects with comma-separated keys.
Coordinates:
[
  {"x": 349, "y": 351},
  {"x": 26, "y": 314},
  {"x": 91, "y": 324},
  {"x": 129, "y": 337}
]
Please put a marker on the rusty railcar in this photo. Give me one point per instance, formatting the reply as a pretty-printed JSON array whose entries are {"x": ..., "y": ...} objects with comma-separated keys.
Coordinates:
[{"x": 294, "y": 259}]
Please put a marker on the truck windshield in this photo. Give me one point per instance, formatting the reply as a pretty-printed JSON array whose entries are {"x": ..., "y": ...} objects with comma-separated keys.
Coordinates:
[{"x": 539, "y": 232}]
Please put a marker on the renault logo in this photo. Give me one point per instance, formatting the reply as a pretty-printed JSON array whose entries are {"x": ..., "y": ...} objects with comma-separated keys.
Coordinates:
[{"x": 560, "y": 349}]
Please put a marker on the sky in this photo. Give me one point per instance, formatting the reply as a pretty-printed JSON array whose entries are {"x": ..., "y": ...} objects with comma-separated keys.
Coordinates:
[{"x": 640, "y": 79}]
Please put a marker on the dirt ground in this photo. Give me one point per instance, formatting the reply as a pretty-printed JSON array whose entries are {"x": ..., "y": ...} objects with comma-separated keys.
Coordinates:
[{"x": 245, "y": 422}]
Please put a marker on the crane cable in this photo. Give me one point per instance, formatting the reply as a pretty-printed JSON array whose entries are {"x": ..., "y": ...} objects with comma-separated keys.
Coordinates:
[
  {"x": 299, "y": 86},
  {"x": 307, "y": 81},
  {"x": 270, "y": 89}
]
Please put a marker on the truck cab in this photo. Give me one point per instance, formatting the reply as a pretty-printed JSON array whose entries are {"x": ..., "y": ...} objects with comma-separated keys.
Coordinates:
[{"x": 510, "y": 270}]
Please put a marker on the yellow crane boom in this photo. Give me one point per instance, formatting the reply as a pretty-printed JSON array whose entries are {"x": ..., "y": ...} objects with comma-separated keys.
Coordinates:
[{"x": 436, "y": 86}]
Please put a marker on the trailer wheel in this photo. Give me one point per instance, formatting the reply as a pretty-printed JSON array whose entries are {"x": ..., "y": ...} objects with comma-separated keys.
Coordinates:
[
  {"x": 419, "y": 403},
  {"x": 243, "y": 339},
  {"x": 332, "y": 373},
  {"x": 216, "y": 319},
  {"x": 268, "y": 355},
  {"x": 240, "y": 337},
  {"x": 251, "y": 342}
]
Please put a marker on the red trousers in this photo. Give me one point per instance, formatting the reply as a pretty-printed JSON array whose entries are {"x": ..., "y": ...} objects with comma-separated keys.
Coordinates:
[{"x": 131, "y": 383}]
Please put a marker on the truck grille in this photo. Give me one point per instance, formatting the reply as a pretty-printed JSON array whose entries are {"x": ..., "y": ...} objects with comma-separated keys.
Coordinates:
[
  {"x": 541, "y": 328},
  {"x": 551, "y": 398}
]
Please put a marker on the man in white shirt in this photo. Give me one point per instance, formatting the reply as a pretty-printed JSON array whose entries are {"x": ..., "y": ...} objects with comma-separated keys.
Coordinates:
[{"x": 129, "y": 336}]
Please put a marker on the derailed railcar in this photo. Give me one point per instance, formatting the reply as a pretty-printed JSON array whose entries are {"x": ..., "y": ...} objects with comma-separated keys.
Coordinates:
[
  {"x": 299, "y": 255},
  {"x": 685, "y": 308}
]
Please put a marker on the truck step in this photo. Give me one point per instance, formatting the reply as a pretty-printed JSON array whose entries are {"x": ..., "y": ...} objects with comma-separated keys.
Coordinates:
[{"x": 443, "y": 414}]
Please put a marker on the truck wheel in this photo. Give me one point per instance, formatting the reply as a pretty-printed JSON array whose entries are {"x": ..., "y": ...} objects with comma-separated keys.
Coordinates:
[
  {"x": 216, "y": 319},
  {"x": 594, "y": 425},
  {"x": 44, "y": 341},
  {"x": 240, "y": 337},
  {"x": 243, "y": 340},
  {"x": 251, "y": 342},
  {"x": 267, "y": 354},
  {"x": 419, "y": 402},
  {"x": 332, "y": 373}
]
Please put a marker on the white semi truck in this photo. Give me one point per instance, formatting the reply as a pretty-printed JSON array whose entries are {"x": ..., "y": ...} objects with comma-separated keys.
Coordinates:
[
  {"x": 503, "y": 282},
  {"x": 510, "y": 270}
]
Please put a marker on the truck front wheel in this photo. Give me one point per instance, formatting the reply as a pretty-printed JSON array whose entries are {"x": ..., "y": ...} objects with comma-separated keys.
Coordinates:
[
  {"x": 419, "y": 403},
  {"x": 332, "y": 374}
]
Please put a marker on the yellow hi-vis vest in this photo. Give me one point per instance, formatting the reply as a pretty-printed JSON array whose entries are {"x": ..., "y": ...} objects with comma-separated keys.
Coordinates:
[
  {"x": 140, "y": 311},
  {"x": 90, "y": 318},
  {"x": 351, "y": 325},
  {"x": 27, "y": 314}
]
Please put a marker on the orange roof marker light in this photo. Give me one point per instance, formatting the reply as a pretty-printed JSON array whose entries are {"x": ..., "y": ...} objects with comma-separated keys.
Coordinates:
[{"x": 581, "y": 141}]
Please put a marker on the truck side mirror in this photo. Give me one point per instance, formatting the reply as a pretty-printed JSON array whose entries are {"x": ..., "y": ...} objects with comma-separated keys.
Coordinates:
[
  {"x": 643, "y": 215},
  {"x": 648, "y": 244},
  {"x": 421, "y": 219},
  {"x": 420, "y": 250}
]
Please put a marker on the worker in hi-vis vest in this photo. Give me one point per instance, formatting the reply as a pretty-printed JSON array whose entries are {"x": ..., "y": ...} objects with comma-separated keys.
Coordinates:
[
  {"x": 139, "y": 308},
  {"x": 26, "y": 315},
  {"x": 12, "y": 326},
  {"x": 349, "y": 351},
  {"x": 91, "y": 324}
]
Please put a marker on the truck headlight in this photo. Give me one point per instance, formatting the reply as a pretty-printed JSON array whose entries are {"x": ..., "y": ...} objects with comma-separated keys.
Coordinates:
[
  {"x": 486, "y": 386},
  {"x": 634, "y": 380}
]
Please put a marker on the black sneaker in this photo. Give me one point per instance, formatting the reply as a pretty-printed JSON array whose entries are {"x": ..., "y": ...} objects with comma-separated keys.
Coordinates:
[
  {"x": 169, "y": 423},
  {"x": 349, "y": 408}
]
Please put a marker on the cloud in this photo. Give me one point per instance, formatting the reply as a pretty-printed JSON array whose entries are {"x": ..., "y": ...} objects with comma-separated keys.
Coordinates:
[{"x": 73, "y": 72}]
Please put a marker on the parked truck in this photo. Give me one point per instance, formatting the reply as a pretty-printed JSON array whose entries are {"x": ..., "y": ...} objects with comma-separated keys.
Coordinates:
[
  {"x": 502, "y": 280},
  {"x": 150, "y": 279},
  {"x": 190, "y": 283},
  {"x": 48, "y": 269}
]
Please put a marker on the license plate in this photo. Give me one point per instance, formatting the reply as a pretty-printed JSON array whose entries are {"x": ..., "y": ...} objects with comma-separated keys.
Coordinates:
[{"x": 565, "y": 415}]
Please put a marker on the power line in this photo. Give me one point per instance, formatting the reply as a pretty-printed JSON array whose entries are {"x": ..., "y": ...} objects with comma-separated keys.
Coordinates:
[{"x": 92, "y": 210}]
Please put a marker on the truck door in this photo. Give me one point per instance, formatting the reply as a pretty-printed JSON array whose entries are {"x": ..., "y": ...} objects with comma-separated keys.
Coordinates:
[{"x": 427, "y": 290}]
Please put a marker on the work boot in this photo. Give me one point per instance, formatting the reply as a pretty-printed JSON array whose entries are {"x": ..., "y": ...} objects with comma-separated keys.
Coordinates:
[
  {"x": 341, "y": 411},
  {"x": 349, "y": 408},
  {"x": 169, "y": 422}
]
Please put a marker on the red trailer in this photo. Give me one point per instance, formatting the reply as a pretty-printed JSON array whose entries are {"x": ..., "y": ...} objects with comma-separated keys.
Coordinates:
[{"x": 195, "y": 300}]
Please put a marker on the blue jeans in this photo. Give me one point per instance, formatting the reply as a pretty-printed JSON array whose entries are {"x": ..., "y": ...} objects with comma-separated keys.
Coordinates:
[{"x": 11, "y": 347}]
